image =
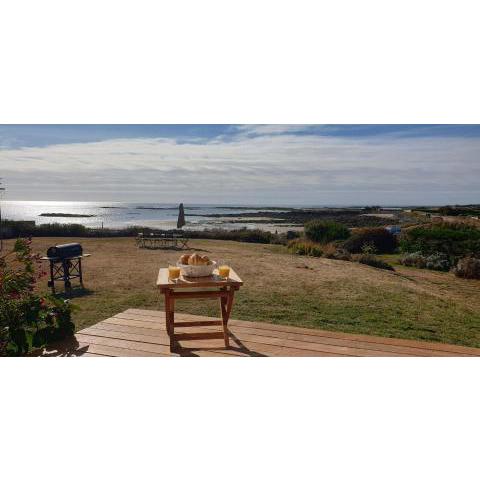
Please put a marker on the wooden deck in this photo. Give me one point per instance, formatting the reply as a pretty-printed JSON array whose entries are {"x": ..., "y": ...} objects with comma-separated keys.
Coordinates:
[{"x": 141, "y": 333}]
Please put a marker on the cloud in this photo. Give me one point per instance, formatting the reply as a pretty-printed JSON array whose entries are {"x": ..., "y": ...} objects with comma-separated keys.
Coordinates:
[
  {"x": 274, "y": 129},
  {"x": 255, "y": 164}
]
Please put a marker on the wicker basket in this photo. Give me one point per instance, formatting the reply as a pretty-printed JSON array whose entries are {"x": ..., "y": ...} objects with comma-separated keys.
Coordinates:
[{"x": 197, "y": 270}]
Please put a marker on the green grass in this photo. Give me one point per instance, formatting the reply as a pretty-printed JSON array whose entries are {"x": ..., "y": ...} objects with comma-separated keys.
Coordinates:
[{"x": 400, "y": 314}]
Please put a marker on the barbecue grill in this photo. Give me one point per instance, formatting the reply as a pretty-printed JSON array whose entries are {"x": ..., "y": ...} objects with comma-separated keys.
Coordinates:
[{"x": 65, "y": 264}]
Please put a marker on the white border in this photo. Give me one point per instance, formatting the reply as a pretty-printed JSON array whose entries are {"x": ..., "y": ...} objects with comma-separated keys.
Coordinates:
[
  {"x": 253, "y": 61},
  {"x": 239, "y": 62}
]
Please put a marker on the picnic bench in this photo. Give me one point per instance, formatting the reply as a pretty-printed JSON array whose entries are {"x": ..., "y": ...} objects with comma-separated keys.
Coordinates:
[
  {"x": 162, "y": 240},
  {"x": 213, "y": 286}
]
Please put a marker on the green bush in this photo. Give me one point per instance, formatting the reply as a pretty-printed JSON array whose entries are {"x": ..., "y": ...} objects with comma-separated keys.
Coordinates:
[
  {"x": 373, "y": 261},
  {"x": 452, "y": 239},
  {"x": 468, "y": 267},
  {"x": 378, "y": 240},
  {"x": 324, "y": 231},
  {"x": 26, "y": 319}
]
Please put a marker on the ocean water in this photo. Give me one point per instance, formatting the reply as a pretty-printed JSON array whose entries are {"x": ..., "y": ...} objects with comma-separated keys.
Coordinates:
[{"x": 121, "y": 215}]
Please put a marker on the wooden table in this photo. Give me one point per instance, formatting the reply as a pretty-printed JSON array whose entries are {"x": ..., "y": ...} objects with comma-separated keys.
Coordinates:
[{"x": 192, "y": 288}]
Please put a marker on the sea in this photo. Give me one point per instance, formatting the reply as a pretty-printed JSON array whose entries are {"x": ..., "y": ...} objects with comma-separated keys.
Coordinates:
[{"x": 117, "y": 215}]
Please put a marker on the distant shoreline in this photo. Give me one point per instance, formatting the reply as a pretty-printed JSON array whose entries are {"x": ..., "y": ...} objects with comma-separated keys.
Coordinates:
[{"x": 66, "y": 215}]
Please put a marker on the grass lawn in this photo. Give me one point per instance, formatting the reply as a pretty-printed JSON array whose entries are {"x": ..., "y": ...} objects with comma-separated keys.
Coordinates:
[{"x": 283, "y": 288}]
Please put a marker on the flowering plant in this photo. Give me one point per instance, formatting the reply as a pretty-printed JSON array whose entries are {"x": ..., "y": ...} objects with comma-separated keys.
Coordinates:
[{"x": 28, "y": 319}]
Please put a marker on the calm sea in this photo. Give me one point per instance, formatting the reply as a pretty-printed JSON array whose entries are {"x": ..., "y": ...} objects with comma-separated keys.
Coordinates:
[{"x": 120, "y": 215}]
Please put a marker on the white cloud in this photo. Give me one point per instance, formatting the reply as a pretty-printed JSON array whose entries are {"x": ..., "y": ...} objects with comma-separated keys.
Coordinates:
[
  {"x": 273, "y": 168},
  {"x": 272, "y": 129}
]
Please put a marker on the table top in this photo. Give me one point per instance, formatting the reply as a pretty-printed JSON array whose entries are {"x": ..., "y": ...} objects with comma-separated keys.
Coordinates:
[{"x": 193, "y": 282}]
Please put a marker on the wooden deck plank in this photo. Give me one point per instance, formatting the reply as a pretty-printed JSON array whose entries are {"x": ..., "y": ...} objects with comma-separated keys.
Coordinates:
[
  {"x": 123, "y": 344},
  {"x": 156, "y": 315},
  {"x": 140, "y": 333},
  {"x": 244, "y": 348},
  {"x": 161, "y": 338},
  {"x": 117, "y": 352},
  {"x": 240, "y": 330}
]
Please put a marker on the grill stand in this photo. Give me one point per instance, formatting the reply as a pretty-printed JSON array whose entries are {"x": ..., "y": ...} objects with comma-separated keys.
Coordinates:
[{"x": 65, "y": 269}]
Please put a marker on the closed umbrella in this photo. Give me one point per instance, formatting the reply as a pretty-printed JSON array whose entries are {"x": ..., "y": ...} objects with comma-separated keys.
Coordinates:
[{"x": 181, "y": 216}]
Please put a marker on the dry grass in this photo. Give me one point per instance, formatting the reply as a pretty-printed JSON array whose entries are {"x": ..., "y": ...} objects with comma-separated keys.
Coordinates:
[{"x": 284, "y": 288}]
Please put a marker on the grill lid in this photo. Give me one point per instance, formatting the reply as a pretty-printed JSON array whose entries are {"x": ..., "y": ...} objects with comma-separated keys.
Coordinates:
[{"x": 66, "y": 250}]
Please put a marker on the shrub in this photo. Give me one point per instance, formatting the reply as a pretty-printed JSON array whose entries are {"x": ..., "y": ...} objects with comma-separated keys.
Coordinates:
[
  {"x": 436, "y": 261},
  {"x": 329, "y": 250},
  {"x": 452, "y": 239},
  {"x": 342, "y": 254},
  {"x": 305, "y": 247},
  {"x": 377, "y": 238},
  {"x": 415, "y": 259},
  {"x": 369, "y": 248},
  {"x": 468, "y": 267},
  {"x": 240, "y": 235},
  {"x": 292, "y": 234},
  {"x": 324, "y": 231},
  {"x": 26, "y": 319},
  {"x": 373, "y": 261},
  {"x": 335, "y": 252}
]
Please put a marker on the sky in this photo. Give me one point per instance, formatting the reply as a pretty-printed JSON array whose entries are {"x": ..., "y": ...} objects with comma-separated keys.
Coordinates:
[{"x": 243, "y": 164}]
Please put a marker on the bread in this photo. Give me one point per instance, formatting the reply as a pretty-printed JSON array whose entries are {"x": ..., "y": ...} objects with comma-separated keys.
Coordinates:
[
  {"x": 195, "y": 259},
  {"x": 184, "y": 259}
]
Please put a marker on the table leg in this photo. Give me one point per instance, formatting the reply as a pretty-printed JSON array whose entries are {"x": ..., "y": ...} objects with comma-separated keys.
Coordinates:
[
  {"x": 226, "y": 304},
  {"x": 170, "y": 318},
  {"x": 172, "y": 324},
  {"x": 167, "y": 311}
]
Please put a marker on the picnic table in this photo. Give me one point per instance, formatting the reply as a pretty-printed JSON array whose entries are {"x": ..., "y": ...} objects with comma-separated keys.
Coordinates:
[
  {"x": 162, "y": 240},
  {"x": 213, "y": 286}
]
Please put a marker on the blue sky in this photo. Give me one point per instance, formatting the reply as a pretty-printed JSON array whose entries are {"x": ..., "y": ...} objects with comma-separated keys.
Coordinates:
[{"x": 274, "y": 164}]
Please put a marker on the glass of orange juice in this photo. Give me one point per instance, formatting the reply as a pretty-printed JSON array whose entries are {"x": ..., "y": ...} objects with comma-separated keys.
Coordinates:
[
  {"x": 223, "y": 270},
  {"x": 173, "y": 272}
]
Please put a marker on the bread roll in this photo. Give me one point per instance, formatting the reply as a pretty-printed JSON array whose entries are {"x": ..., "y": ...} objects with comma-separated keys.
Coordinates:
[
  {"x": 184, "y": 259},
  {"x": 195, "y": 259}
]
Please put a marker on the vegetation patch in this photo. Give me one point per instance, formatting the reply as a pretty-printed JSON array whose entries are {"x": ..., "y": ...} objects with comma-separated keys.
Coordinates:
[
  {"x": 452, "y": 239},
  {"x": 305, "y": 247},
  {"x": 27, "y": 319},
  {"x": 468, "y": 267},
  {"x": 324, "y": 231},
  {"x": 372, "y": 261},
  {"x": 378, "y": 238},
  {"x": 436, "y": 261}
]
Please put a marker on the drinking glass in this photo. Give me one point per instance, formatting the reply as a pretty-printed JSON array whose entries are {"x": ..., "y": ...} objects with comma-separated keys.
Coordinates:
[
  {"x": 223, "y": 269},
  {"x": 173, "y": 272}
]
